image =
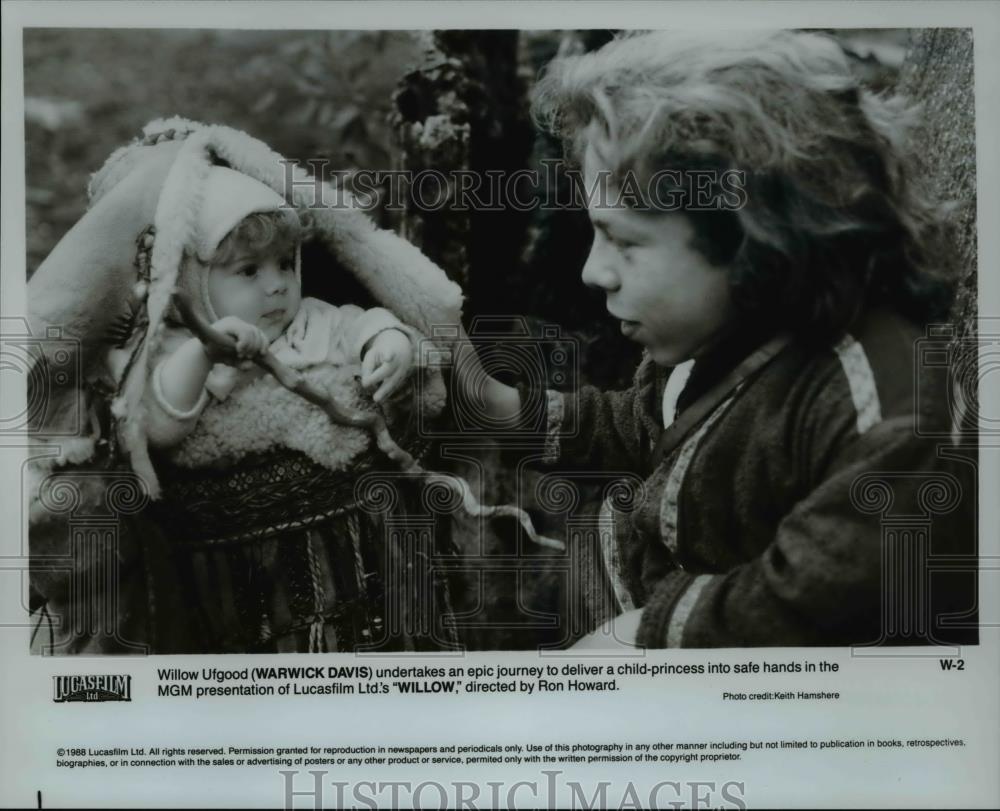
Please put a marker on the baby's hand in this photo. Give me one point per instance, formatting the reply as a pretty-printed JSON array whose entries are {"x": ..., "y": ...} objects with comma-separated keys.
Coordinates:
[
  {"x": 387, "y": 361},
  {"x": 250, "y": 341}
]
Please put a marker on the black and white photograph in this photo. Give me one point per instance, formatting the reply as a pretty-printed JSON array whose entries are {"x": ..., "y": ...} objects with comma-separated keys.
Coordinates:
[
  {"x": 502, "y": 369},
  {"x": 412, "y": 341}
]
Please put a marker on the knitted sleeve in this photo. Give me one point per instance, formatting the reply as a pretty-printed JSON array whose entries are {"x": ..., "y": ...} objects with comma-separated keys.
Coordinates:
[
  {"x": 823, "y": 579},
  {"x": 876, "y": 483},
  {"x": 588, "y": 428}
]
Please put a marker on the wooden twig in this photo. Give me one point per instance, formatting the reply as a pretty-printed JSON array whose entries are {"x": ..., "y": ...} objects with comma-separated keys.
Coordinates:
[
  {"x": 370, "y": 421},
  {"x": 293, "y": 381},
  {"x": 471, "y": 505}
]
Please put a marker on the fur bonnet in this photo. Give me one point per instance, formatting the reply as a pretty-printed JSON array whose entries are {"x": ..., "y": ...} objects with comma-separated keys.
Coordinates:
[{"x": 161, "y": 180}]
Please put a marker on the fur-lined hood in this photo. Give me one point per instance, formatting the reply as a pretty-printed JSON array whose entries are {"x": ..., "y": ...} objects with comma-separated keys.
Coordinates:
[{"x": 89, "y": 281}]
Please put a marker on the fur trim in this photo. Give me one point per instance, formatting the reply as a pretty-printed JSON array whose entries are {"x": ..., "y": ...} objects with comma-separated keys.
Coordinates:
[
  {"x": 394, "y": 271},
  {"x": 175, "y": 222},
  {"x": 174, "y": 122},
  {"x": 124, "y": 159},
  {"x": 398, "y": 276},
  {"x": 72, "y": 450},
  {"x": 263, "y": 415},
  {"x": 47, "y": 458}
]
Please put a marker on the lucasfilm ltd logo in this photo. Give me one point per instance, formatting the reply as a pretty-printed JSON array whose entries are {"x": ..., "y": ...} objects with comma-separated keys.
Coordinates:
[{"x": 92, "y": 688}]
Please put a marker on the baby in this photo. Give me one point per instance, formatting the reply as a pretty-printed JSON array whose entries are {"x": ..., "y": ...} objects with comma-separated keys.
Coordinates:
[{"x": 246, "y": 280}]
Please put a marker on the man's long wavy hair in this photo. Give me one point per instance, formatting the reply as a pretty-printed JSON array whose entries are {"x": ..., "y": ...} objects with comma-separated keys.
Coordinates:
[{"x": 834, "y": 221}]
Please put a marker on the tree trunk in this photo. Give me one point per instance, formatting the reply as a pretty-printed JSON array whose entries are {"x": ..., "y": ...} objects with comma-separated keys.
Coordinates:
[
  {"x": 939, "y": 73},
  {"x": 464, "y": 109}
]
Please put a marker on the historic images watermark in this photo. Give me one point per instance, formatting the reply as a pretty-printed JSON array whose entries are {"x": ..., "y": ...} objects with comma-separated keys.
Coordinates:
[
  {"x": 49, "y": 363},
  {"x": 951, "y": 366},
  {"x": 556, "y": 186},
  {"x": 89, "y": 553},
  {"x": 501, "y": 346},
  {"x": 549, "y": 790}
]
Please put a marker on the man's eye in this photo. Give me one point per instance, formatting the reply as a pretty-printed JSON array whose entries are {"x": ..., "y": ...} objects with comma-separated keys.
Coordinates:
[
  {"x": 288, "y": 263},
  {"x": 613, "y": 239},
  {"x": 248, "y": 270}
]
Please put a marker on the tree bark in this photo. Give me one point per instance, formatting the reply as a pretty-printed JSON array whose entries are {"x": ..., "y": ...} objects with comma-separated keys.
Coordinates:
[
  {"x": 464, "y": 109},
  {"x": 939, "y": 73}
]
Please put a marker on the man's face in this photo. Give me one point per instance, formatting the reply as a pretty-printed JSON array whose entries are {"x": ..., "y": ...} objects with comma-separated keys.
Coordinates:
[
  {"x": 262, "y": 290},
  {"x": 666, "y": 294}
]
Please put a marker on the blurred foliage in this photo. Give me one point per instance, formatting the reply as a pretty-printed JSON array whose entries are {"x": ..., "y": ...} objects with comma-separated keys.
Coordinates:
[
  {"x": 312, "y": 95},
  {"x": 308, "y": 94}
]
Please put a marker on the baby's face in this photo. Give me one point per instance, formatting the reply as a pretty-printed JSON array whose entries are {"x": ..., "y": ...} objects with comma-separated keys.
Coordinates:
[{"x": 261, "y": 289}]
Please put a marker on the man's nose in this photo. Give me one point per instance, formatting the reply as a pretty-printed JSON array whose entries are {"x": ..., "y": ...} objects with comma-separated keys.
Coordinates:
[{"x": 599, "y": 272}]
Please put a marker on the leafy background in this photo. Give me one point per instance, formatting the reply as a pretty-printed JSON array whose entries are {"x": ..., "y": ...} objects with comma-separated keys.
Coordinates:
[
  {"x": 323, "y": 95},
  {"x": 308, "y": 94},
  {"x": 312, "y": 94}
]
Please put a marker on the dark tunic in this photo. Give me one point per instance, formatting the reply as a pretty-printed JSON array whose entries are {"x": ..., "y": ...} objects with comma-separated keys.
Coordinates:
[{"x": 822, "y": 503}]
